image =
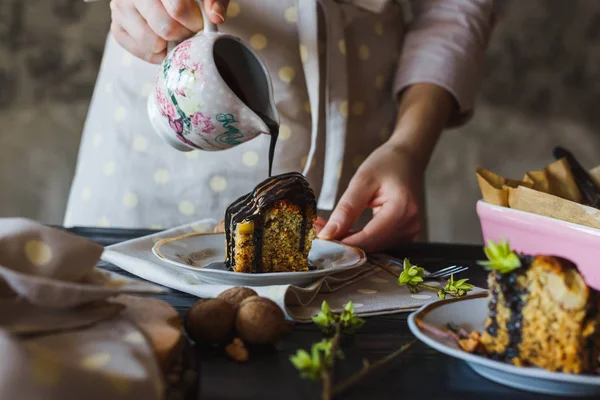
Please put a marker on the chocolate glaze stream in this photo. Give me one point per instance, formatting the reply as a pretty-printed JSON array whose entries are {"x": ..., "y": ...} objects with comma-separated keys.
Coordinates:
[
  {"x": 234, "y": 85},
  {"x": 291, "y": 187},
  {"x": 274, "y": 132}
]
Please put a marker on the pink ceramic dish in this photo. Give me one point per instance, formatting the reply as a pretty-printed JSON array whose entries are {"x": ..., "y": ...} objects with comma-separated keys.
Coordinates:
[{"x": 536, "y": 234}]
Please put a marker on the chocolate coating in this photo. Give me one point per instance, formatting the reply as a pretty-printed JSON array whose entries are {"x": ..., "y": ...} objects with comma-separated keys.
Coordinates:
[{"x": 291, "y": 187}]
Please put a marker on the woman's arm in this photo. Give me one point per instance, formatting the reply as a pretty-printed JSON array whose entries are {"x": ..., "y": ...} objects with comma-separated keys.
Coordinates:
[
  {"x": 445, "y": 45},
  {"x": 390, "y": 179},
  {"x": 423, "y": 113},
  {"x": 439, "y": 71}
]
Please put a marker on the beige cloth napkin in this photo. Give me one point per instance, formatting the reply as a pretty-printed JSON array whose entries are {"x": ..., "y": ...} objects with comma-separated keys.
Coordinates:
[
  {"x": 372, "y": 290},
  {"x": 60, "y": 337}
]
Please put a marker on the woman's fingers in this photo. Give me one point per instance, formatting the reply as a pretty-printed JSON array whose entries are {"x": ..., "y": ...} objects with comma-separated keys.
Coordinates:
[
  {"x": 160, "y": 21},
  {"x": 129, "y": 44},
  {"x": 350, "y": 206},
  {"x": 378, "y": 231},
  {"x": 216, "y": 10},
  {"x": 144, "y": 27},
  {"x": 386, "y": 229},
  {"x": 186, "y": 12},
  {"x": 132, "y": 22},
  {"x": 319, "y": 224}
]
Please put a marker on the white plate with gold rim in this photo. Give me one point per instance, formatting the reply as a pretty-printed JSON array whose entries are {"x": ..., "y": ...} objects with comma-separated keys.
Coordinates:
[
  {"x": 470, "y": 313},
  {"x": 204, "y": 254}
]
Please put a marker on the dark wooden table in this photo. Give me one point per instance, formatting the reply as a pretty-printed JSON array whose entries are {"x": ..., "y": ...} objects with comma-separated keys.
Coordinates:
[{"x": 421, "y": 373}]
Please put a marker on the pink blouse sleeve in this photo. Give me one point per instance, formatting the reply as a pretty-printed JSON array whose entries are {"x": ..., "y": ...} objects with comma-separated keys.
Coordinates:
[{"x": 445, "y": 45}]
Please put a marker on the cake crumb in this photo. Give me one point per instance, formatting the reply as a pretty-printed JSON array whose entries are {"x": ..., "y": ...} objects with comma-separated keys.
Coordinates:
[
  {"x": 237, "y": 351},
  {"x": 471, "y": 344}
]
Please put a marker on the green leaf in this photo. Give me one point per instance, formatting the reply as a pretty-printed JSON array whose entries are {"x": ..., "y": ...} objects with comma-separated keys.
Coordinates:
[
  {"x": 411, "y": 275},
  {"x": 321, "y": 320},
  {"x": 325, "y": 319},
  {"x": 308, "y": 367},
  {"x": 325, "y": 309},
  {"x": 349, "y": 307},
  {"x": 460, "y": 282},
  {"x": 456, "y": 288},
  {"x": 500, "y": 257},
  {"x": 301, "y": 360},
  {"x": 350, "y": 322},
  {"x": 324, "y": 346}
]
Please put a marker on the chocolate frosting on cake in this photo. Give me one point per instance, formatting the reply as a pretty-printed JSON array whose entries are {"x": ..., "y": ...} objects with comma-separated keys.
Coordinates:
[{"x": 291, "y": 187}]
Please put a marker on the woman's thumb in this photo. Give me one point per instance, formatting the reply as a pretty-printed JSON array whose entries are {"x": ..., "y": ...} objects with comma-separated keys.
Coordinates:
[{"x": 216, "y": 10}]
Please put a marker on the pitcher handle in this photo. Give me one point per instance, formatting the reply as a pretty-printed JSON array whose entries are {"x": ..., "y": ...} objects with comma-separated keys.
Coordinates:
[{"x": 209, "y": 26}]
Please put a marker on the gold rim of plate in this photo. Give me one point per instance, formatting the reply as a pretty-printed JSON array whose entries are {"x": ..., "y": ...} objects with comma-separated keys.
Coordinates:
[{"x": 361, "y": 254}]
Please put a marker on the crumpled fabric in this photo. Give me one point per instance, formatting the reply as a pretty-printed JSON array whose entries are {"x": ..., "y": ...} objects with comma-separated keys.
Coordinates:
[{"x": 61, "y": 335}]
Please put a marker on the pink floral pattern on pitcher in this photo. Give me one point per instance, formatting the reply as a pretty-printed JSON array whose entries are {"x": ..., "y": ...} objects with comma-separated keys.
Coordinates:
[
  {"x": 174, "y": 104},
  {"x": 181, "y": 60},
  {"x": 166, "y": 106},
  {"x": 189, "y": 98},
  {"x": 198, "y": 119}
]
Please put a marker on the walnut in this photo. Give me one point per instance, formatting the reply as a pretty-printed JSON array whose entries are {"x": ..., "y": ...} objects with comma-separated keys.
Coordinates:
[
  {"x": 210, "y": 320},
  {"x": 237, "y": 350},
  {"x": 260, "y": 321},
  {"x": 568, "y": 289},
  {"x": 236, "y": 295}
]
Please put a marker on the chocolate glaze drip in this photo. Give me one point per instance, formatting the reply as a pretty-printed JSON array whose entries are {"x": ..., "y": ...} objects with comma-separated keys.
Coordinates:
[
  {"x": 492, "y": 328},
  {"x": 274, "y": 132},
  {"x": 515, "y": 299},
  {"x": 235, "y": 86},
  {"x": 291, "y": 187}
]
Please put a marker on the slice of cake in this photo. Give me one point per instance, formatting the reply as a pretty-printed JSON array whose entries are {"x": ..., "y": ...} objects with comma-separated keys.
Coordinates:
[
  {"x": 271, "y": 229},
  {"x": 541, "y": 313}
]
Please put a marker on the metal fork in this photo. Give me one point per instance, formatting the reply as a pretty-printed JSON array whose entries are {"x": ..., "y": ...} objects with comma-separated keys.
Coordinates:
[{"x": 378, "y": 259}]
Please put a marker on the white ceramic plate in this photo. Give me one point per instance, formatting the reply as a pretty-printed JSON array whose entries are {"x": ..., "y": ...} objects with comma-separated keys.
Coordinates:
[
  {"x": 470, "y": 313},
  {"x": 196, "y": 251}
]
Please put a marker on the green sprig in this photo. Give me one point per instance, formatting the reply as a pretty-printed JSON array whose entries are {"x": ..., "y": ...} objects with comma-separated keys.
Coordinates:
[
  {"x": 312, "y": 366},
  {"x": 455, "y": 288},
  {"x": 318, "y": 365},
  {"x": 500, "y": 257},
  {"x": 411, "y": 276},
  {"x": 347, "y": 320}
]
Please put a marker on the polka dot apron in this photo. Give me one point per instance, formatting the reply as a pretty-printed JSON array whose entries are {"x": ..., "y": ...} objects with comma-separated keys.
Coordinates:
[{"x": 333, "y": 66}]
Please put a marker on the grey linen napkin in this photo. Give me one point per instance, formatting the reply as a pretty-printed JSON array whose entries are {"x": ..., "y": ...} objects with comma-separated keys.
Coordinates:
[
  {"x": 60, "y": 337},
  {"x": 372, "y": 290}
]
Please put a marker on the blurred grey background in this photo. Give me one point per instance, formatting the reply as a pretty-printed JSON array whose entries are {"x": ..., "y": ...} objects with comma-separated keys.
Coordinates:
[{"x": 541, "y": 89}]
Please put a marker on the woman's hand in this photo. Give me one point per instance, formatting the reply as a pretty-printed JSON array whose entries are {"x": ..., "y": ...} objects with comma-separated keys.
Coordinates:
[
  {"x": 389, "y": 182},
  {"x": 143, "y": 27},
  {"x": 391, "y": 178}
]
